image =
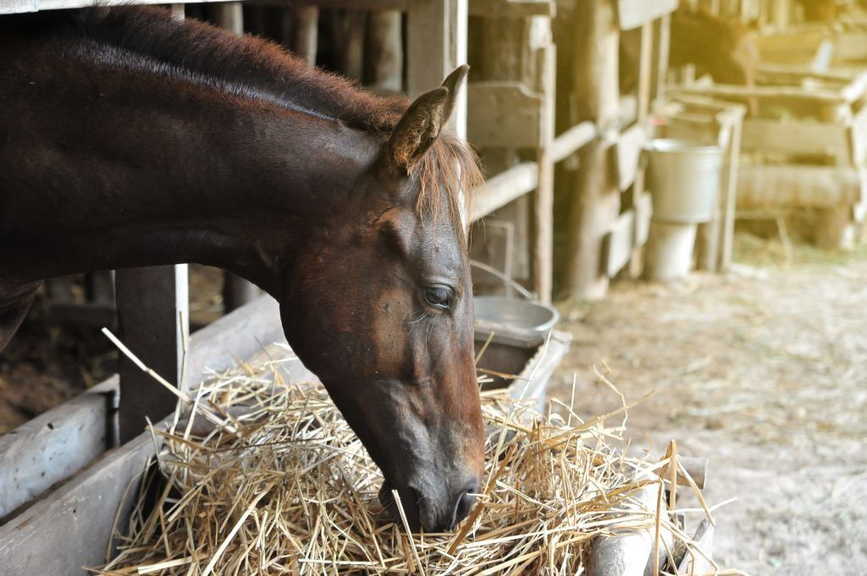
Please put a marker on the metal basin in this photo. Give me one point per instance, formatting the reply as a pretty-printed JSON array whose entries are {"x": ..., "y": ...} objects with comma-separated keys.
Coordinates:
[{"x": 516, "y": 322}]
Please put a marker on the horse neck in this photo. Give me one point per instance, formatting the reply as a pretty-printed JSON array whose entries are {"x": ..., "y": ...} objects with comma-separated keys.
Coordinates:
[{"x": 184, "y": 175}]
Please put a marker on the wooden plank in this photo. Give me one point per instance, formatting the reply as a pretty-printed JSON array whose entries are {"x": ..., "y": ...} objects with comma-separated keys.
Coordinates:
[
  {"x": 543, "y": 212},
  {"x": 643, "y": 213},
  {"x": 775, "y": 93},
  {"x": 762, "y": 187},
  {"x": 305, "y": 32},
  {"x": 729, "y": 188},
  {"x": 504, "y": 188},
  {"x": 628, "y": 152},
  {"x": 634, "y": 13},
  {"x": 55, "y": 445},
  {"x": 505, "y": 114},
  {"x": 618, "y": 243},
  {"x": 436, "y": 45},
  {"x": 513, "y": 8},
  {"x": 797, "y": 138},
  {"x": 597, "y": 200},
  {"x": 572, "y": 140},
  {"x": 385, "y": 50},
  {"x": 70, "y": 527},
  {"x": 153, "y": 314}
]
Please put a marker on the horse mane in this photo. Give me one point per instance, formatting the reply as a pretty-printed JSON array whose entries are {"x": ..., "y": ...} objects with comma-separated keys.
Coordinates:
[{"x": 265, "y": 67}]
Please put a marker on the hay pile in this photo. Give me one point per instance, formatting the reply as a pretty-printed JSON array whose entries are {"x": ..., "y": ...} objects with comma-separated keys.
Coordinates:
[{"x": 284, "y": 487}]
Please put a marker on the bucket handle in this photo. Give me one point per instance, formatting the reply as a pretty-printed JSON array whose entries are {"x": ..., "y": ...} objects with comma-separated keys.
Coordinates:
[{"x": 505, "y": 279}]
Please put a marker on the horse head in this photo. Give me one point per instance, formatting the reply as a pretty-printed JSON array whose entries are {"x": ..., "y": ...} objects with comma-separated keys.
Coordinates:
[{"x": 380, "y": 307}]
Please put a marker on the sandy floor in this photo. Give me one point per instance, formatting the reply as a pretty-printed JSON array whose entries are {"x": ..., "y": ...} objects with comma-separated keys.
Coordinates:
[{"x": 763, "y": 370}]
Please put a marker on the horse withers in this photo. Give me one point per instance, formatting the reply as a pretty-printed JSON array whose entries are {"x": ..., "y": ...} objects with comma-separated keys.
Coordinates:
[{"x": 130, "y": 139}]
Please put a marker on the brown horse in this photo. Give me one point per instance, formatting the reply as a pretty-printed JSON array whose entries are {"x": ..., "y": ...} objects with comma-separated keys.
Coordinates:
[{"x": 129, "y": 139}]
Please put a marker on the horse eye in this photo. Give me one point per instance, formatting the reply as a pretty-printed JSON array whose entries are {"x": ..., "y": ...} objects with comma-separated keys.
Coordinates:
[{"x": 439, "y": 296}]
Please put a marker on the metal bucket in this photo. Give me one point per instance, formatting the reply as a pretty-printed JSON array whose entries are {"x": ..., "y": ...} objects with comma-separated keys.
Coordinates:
[
  {"x": 669, "y": 251},
  {"x": 524, "y": 323},
  {"x": 684, "y": 180}
]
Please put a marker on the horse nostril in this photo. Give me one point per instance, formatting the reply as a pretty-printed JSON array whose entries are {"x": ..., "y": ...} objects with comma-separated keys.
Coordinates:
[{"x": 463, "y": 506}]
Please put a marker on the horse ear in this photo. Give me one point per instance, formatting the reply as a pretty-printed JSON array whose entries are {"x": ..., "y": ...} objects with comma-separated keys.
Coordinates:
[
  {"x": 423, "y": 121},
  {"x": 418, "y": 128},
  {"x": 453, "y": 83}
]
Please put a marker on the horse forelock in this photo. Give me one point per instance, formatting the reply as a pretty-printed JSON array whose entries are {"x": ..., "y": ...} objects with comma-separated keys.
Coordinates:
[{"x": 447, "y": 174}]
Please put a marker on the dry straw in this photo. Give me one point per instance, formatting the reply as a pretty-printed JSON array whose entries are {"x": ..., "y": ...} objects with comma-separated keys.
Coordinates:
[{"x": 267, "y": 478}]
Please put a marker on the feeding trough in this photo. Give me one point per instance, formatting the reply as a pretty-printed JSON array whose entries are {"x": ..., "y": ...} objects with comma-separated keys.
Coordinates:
[{"x": 516, "y": 343}]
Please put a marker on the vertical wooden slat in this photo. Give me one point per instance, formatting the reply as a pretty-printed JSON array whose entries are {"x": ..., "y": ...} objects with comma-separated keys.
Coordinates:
[
  {"x": 730, "y": 186},
  {"x": 597, "y": 201},
  {"x": 305, "y": 32},
  {"x": 645, "y": 85},
  {"x": 349, "y": 26},
  {"x": 178, "y": 11},
  {"x": 385, "y": 50},
  {"x": 543, "y": 257},
  {"x": 663, "y": 40},
  {"x": 229, "y": 15},
  {"x": 436, "y": 45},
  {"x": 153, "y": 313}
]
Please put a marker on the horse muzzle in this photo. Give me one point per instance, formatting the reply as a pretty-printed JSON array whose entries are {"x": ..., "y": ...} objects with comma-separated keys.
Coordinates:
[{"x": 432, "y": 507}]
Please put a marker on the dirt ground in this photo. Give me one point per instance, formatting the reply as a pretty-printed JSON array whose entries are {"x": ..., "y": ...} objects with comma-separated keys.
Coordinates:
[{"x": 764, "y": 371}]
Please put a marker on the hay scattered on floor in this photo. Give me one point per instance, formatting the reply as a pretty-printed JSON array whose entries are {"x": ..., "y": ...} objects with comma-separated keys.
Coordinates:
[{"x": 286, "y": 488}]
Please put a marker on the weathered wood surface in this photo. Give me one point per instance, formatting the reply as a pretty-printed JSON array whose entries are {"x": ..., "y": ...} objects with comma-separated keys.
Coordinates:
[
  {"x": 596, "y": 201},
  {"x": 70, "y": 527},
  {"x": 436, "y": 39},
  {"x": 793, "y": 138},
  {"x": 504, "y": 188},
  {"x": 617, "y": 244},
  {"x": 543, "y": 207},
  {"x": 55, "y": 445},
  {"x": 634, "y": 13},
  {"x": 153, "y": 316},
  {"x": 572, "y": 140},
  {"x": 513, "y": 8},
  {"x": 796, "y": 185},
  {"x": 505, "y": 114},
  {"x": 385, "y": 50}
]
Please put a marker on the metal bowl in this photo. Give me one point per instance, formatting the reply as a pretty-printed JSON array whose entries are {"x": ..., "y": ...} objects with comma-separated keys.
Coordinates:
[{"x": 517, "y": 322}]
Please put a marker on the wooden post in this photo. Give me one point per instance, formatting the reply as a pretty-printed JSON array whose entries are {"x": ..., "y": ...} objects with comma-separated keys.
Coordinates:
[
  {"x": 645, "y": 85},
  {"x": 153, "y": 313},
  {"x": 543, "y": 247},
  {"x": 436, "y": 45},
  {"x": 178, "y": 11},
  {"x": 730, "y": 191},
  {"x": 229, "y": 15},
  {"x": 305, "y": 32},
  {"x": 236, "y": 290},
  {"x": 385, "y": 50},
  {"x": 597, "y": 200},
  {"x": 663, "y": 40},
  {"x": 349, "y": 33}
]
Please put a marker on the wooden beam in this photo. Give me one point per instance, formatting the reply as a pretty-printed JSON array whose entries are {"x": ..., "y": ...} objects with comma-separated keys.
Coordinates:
[
  {"x": 764, "y": 186},
  {"x": 596, "y": 203},
  {"x": 505, "y": 114},
  {"x": 385, "y": 50},
  {"x": 305, "y": 32},
  {"x": 229, "y": 15},
  {"x": 504, "y": 188},
  {"x": 543, "y": 212},
  {"x": 436, "y": 45},
  {"x": 513, "y": 8},
  {"x": 153, "y": 315},
  {"x": 55, "y": 445},
  {"x": 572, "y": 140},
  {"x": 634, "y": 13},
  {"x": 618, "y": 243}
]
